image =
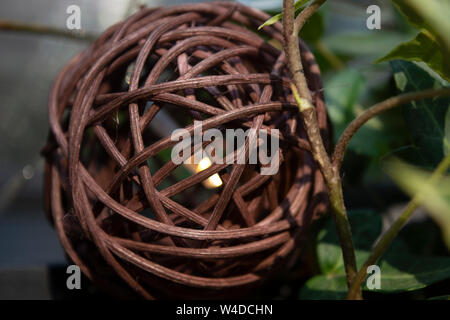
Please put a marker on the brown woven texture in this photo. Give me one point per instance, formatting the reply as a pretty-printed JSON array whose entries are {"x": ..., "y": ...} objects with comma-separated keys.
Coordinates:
[{"x": 117, "y": 216}]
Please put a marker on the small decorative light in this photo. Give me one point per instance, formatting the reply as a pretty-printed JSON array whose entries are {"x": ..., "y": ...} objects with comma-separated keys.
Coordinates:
[{"x": 213, "y": 181}]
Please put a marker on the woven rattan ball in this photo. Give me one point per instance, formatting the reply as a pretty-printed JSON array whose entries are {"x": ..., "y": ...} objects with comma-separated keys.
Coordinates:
[{"x": 125, "y": 212}]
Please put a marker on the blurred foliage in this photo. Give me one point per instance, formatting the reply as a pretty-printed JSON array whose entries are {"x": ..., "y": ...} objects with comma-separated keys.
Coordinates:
[
  {"x": 314, "y": 28},
  {"x": 429, "y": 45},
  {"x": 346, "y": 88},
  {"x": 430, "y": 15},
  {"x": 434, "y": 197},
  {"x": 401, "y": 269},
  {"x": 426, "y": 119},
  {"x": 418, "y": 133},
  {"x": 423, "y": 47},
  {"x": 440, "y": 298},
  {"x": 358, "y": 43}
]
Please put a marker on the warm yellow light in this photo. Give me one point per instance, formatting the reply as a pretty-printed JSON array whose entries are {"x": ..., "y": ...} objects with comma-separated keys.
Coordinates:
[
  {"x": 205, "y": 163},
  {"x": 213, "y": 181}
]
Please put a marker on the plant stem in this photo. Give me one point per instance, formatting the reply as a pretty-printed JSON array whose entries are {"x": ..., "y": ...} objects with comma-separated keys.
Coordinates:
[
  {"x": 292, "y": 50},
  {"x": 386, "y": 240},
  {"x": 303, "y": 97},
  {"x": 375, "y": 110},
  {"x": 44, "y": 30},
  {"x": 333, "y": 183},
  {"x": 306, "y": 14}
]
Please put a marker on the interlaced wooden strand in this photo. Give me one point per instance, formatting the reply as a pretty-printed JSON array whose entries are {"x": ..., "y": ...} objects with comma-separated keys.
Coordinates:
[{"x": 122, "y": 208}]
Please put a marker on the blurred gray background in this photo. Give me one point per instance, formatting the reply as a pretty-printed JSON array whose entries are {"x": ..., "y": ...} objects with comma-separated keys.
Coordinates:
[{"x": 28, "y": 65}]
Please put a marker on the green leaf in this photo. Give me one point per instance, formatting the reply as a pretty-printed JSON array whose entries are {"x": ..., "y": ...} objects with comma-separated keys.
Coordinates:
[
  {"x": 343, "y": 89},
  {"x": 423, "y": 48},
  {"x": 411, "y": 15},
  {"x": 431, "y": 15},
  {"x": 298, "y": 5},
  {"x": 271, "y": 21},
  {"x": 432, "y": 44},
  {"x": 425, "y": 118},
  {"x": 400, "y": 270},
  {"x": 325, "y": 287},
  {"x": 404, "y": 272},
  {"x": 366, "y": 227}
]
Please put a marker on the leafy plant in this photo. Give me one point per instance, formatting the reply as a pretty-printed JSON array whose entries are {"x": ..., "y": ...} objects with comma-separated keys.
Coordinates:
[
  {"x": 431, "y": 44},
  {"x": 401, "y": 270},
  {"x": 343, "y": 255},
  {"x": 426, "y": 119}
]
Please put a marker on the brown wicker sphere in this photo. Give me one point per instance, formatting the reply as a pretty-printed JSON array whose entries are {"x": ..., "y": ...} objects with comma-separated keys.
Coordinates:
[{"x": 125, "y": 213}]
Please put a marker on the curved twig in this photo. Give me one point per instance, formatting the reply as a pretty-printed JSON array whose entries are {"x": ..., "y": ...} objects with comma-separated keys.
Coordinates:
[
  {"x": 306, "y": 14},
  {"x": 45, "y": 30},
  {"x": 375, "y": 110}
]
